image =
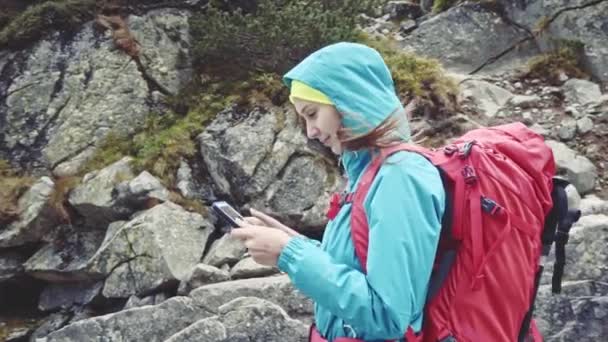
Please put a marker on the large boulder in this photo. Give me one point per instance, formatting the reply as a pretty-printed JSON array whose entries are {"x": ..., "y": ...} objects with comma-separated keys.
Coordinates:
[
  {"x": 578, "y": 169},
  {"x": 277, "y": 289},
  {"x": 158, "y": 247},
  {"x": 66, "y": 257},
  {"x": 148, "y": 323},
  {"x": 579, "y": 20},
  {"x": 466, "y": 37},
  {"x": 261, "y": 158},
  {"x": 37, "y": 216},
  {"x": 265, "y": 322},
  {"x": 60, "y": 98}
]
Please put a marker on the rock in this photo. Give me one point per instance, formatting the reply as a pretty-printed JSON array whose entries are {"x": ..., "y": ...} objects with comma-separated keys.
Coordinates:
[
  {"x": 584, "y": 125},
  {"x": 95, "y": 198},
  {"x": 525, "y": 101},
  {"x": 64, "y": 296},
  {"x": 190, "y": 186},
  {"x": 593, "y": 205},
  {"x": 572, "y": 110},
  {"x": 202, "y": 275},
  {"x": 426, "y": 5},
  {"x": 65, "y": 259},
  {"x": 37, "y": 216},
  {"x": 248, "y": 268},
  {"x": 262, "y": 155},
  {"x": 277, "y": 289},
  {"x": 577, "y": 314},
  {"x": 165, "y": 34},
  {"x": 587, "y": 257},
  {"x": 157, "y": 248},
  {"x": 488, "y": 97},
  {"x": 51, "y": 323},
  {"x": 139, "y": 192},
  {"x": 399, "y": 10},
  {"x": 466, "y": 37},
  {"x": 205, "y": 330},
  {"x": 577, "y": 169},
  {"x": 581, "y": 91},
  {"x": 264, "y": 321},
  {"x": 135, "y": 324},
  {"x": 10, "y": 265},
  {"x": 66, "y": 95},
  {"x": 567, "y": 130},
  {"x": 225, "y": 250},
  {"x": 136, "y": 302},
  {"x": 578, "y": 20},
  {"x": 540, "y": 129}
]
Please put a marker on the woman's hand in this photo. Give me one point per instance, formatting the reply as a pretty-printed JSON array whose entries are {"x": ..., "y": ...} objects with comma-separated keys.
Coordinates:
[
  {"x": 263, "y": 243},
  {"x": 261, "y": 219}
]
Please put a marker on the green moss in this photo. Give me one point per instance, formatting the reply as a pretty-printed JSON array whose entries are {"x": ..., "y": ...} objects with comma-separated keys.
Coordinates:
[
  {"x": 566, "y": 57},
  {"x": 12, "y": 185},
  {"x": 442, "y": 5},
  {"x": 417, "y": 77},
  {"x": 40, "y": 19}
]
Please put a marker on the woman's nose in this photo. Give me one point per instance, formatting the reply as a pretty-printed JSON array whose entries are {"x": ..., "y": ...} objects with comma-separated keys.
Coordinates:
[{"x": 311, "y": 131}]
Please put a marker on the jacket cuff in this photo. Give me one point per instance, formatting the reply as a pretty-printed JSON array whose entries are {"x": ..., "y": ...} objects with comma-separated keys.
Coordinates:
[{"x": 291, "y": 253}]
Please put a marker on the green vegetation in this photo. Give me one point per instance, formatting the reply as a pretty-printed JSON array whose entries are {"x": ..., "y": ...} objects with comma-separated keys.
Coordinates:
[
  {"x": 566, "y": 57},
  {"x": 39, "y": 19},
  {"x": 12, "y": 186},
  {"x": 272, "y": 37},
  {"x": 442, "y": 5},
  {"x": 417, "y": 77}
]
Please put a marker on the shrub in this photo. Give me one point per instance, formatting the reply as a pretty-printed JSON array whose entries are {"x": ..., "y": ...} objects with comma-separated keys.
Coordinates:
[
  {"x": 37, "y": 20},
  {"x": 274, "y": 36},
  {"x": 417, "y": 77},
  {"x": 566, "y": 57},
  {"x": 12, "y": 186}
]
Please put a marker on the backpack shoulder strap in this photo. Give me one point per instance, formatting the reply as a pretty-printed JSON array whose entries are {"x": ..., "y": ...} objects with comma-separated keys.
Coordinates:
[{"x": 358, "y": 221}]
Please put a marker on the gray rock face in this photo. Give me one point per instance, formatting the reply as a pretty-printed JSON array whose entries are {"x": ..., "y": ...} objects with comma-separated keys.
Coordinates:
[
  {"x": 578, "y": 169},
  {"x": 158, "y": 247},
  {"x": 277, "y": 289},
  {"x": 95, "y": 198},
  {"x": 262, "y": 158},
  {"x": 579, "y": 313},
  {"x": 36, "y": 216},
  {"x": 465, "y": 37},
  {"x": 10, "y": 265},
  {"x": 581, "y": 91},
  {"x": 57, "y": 296},
  {"x": 62, "y": 99},
  {"x": 581, "y": 20},
  {"x": 149, "y": 323},
  {"x": 266, "y": 321},
  {"x": 65, "y": 259},
  {"x": 225, "y": 250},
  {"x": 248, "y": 268},
  {"x": 488, "y": 98},
  {"x": 201, "y": 275}
]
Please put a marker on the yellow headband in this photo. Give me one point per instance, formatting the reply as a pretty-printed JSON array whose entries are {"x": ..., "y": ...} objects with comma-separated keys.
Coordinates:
[{"x": 305, "y": 92}]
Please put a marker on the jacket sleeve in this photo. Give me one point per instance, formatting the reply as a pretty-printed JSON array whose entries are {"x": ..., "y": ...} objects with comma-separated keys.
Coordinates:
[{"x": 405, "y": 205}]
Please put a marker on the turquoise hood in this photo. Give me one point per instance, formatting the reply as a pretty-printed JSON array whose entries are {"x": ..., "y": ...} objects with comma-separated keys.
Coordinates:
[{"x": 357, "y": 81}]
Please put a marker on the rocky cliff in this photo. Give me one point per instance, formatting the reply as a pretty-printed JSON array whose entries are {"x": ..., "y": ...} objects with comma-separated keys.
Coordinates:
[{"x": 124, "y": 248}]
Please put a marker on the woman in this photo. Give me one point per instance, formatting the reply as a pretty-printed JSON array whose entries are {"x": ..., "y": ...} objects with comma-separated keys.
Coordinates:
[{"x": 346, "y": 96}]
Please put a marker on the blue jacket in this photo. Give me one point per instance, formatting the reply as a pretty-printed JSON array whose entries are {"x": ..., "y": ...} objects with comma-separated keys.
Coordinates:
[{"x": 405, "y": 205}]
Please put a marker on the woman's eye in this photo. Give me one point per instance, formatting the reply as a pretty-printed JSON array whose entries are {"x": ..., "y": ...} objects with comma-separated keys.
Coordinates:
[{"x": 311, "y": 115}]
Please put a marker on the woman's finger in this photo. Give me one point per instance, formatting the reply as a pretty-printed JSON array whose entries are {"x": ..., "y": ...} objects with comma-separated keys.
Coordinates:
[
  {"x": 254, "y": 221},
  {"x": 267, "y": 219}
]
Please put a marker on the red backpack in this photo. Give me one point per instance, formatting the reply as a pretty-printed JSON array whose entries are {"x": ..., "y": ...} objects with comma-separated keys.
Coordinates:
[{"x": 503, "y": 208}]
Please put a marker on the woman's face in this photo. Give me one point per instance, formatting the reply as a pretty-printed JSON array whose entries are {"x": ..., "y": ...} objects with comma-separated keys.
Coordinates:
[{"x": 322, "y": 123}]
